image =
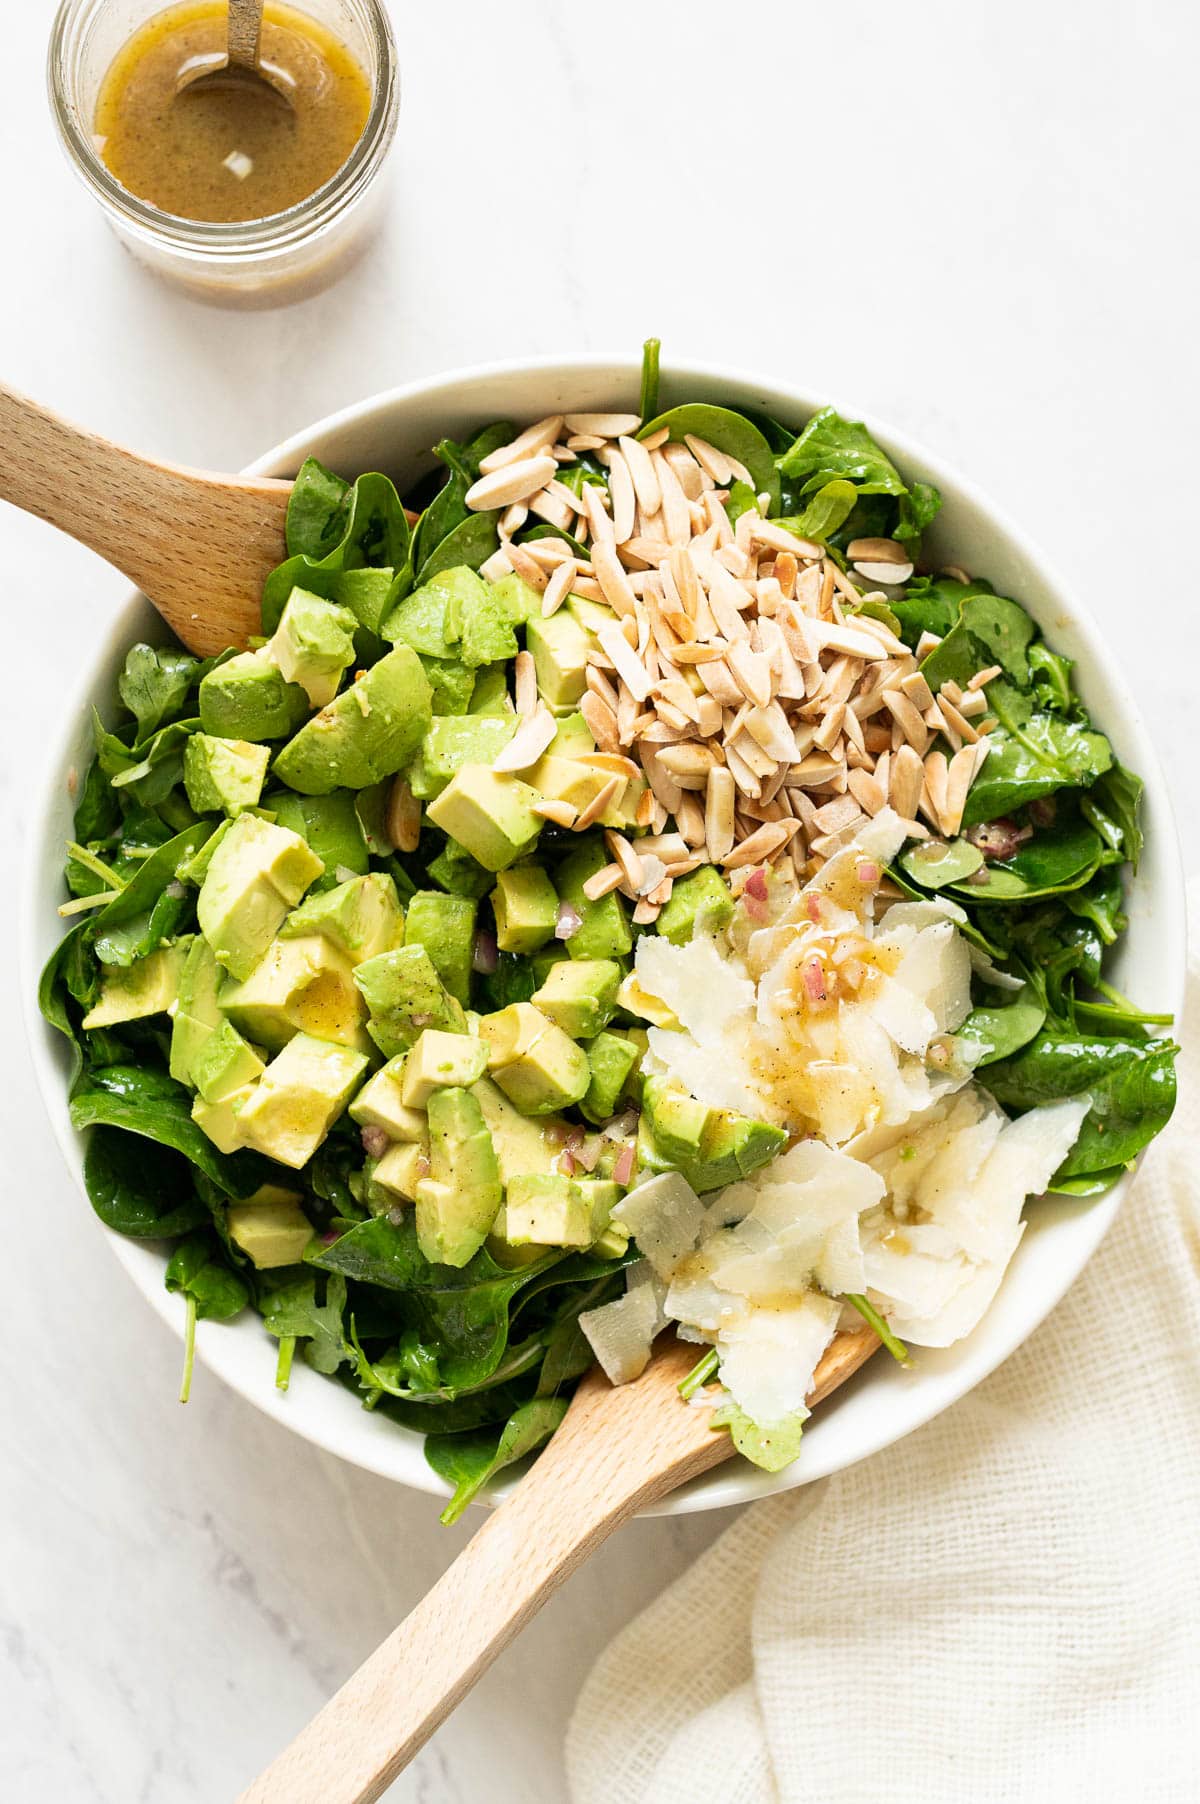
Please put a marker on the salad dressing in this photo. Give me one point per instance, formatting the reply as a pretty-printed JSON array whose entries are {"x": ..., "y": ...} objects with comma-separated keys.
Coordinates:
[{"x": 235, "y": 151}]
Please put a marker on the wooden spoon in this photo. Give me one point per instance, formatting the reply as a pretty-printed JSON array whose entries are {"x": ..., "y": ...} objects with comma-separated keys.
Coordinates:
[
  {"x": 241, "y": 66},
  {"x": 198, "y": 545},
  {"x": 617, "y": 1449}
]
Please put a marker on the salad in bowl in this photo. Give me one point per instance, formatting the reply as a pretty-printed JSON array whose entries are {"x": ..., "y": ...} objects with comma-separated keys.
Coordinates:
[{"x": 628, "y": 886}]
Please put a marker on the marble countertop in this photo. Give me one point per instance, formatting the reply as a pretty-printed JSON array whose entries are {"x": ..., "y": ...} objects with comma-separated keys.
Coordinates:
[{"x": 966, "y": 220}]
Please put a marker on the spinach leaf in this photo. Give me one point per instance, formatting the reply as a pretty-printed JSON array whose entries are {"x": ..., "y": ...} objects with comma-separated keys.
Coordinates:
[
  {"x": 472, "y": 542},
  {"x": 448, "y": 509},
  {"x": 832, "y": 448},
  {"x": 1131, "y": 1084},
  {"x": 97, "y": 812},
  {"x": 473, "y": 1411},
  {"x": 291, "y": 1310},
  {"x": 772, "y": 1447},
  {"x": 1001, "y": 1028},
  {"x": 469, "y": 1461},
  {"x": 829, "y": 509},
  {"x": 198, "y": 1269},
  {"x": 989, "y": 630},
  {"x": 316, "y": 511},
  {"x": 648, "y": 403},
  {"x": 1101, "y": 902},
  {"x": 368, "y": 527},
  {"x": 1113, "y": 805},
  {"x": 1060, "y": 858},
  {"x": 731, "y": 433},
  {"x": 154, "y": 683},
  {"x": 70, "y": 974},
  {"x": 144, "y": 1191},
  {"x": 931, "y": 605},
  {"x": 149, "y": 1103},
  {"x": 1033, "y": 753},
  {"x": 1050, "y": 674},
  {"x": 148, "y": 911}
]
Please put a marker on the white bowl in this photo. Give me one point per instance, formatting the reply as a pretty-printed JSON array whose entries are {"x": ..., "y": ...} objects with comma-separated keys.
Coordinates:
[{"x": 393, "y": 432}]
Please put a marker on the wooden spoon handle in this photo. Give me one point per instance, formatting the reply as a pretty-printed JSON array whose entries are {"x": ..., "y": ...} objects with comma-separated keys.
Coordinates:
[
  {"x": 615, "y": 1452},
  {"x": 245, "y": 28},
  {"x": 199, "y": 545}
]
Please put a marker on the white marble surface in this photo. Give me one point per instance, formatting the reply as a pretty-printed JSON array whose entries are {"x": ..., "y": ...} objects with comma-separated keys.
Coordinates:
[{"x": 973, "y": 221}]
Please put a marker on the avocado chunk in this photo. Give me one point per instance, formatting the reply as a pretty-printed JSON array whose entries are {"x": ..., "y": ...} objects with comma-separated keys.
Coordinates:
[
  {"x": 298, "y": 986},
  {"x": 488, "y": 813},
  {"x": 566, "y": 780},
  {"x": 525, "y": 905},
  {"x": 560, "y": 647},
  {"x": 430, "y": 618},
  {"x": 572, "y": 737},
  {"x": 404, "y": 994},
  {"x": 362, "y": 917},
  {"x": 458, "y": 873},
  {"x": 329, "y": 823},
  {"x": 711, "y": 1147},
  {"x": 198, "y": 1013},
  {"x": 299, "y": 1097},
  {"x": 248, "y": 697},
  {"x": 548, "y": 1209},
  {"x": 227, "y": 1065},
  {"x": 445, "y": 926},
  {"x": 440, "y": 1061},
  {"x": 611, "y": 1060},
  {"x": 367, "y": 593},
  {"x": 313, "y": 644},
  {"x": 257, "y": 873},
  {"x": 223, "y": 775},
  {"x": 454, "y": 740},
  {"x": 380, "y": 1103},
  {"x": 699, "y": 903},
  {"x": 604, "y": 930},
  {"x": 220, "y": 1121},
  {"x": 365, "y": 734},
  {"x": 678, "y": 1121},
  {"x": 519, "y": 600},
  {"x": 490, "y": 695},
  {"x": 535, "y": 1063},
  {"x": 451, "y": 683},
  {"x": 270, "y": 1234},
  {"x": 522, "y": 1143},
  {"x": 148, "y": 986},
  {"x": 580, "y": 994},
  {"x": 458, "y": 1201},
  {"x": 401, "y": 1169}
]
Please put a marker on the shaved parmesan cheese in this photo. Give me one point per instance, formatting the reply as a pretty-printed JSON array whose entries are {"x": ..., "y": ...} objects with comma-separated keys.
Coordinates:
[
  {"x": 665, "y": 1216},
  {"x": 768, "y": 1361},
  {"x": 705, "y": 992},
  {"x": 621, "y": 1333}
]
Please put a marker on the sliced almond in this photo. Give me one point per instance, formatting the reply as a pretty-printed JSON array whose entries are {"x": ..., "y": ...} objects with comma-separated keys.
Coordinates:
[
  {"x": 525, "y": 682},
  {"x": 514, "y": 482},
  {"x": 958, "y": 782},
  {"x": 601, "y": 720},
  {"x": 867, "y": 791},
  {"x": 557, "y": 589},
  {"x": 603, "y": 882},
  {"x": 402, "y": 821},
  {"x": 527, "y": 444},
  {"x": 613, "y": 580},
  {"x": 561, "y": 813},
  {"x": 600, "y": 803},
  {"x": 983, "y": 677},
  {"x": 907, "y": 775},
  {"x": 626, "y": 857},
  {"x": 528, "y": 742},
  {"x": 689, "y": 816},
  {"x": 762, "y": 845},
  {"x": 676, "y": 516},
  {"x": 625, "y": 660},
  {"x": 602, "y": 425},
  {"x": 907, "y": 719}
]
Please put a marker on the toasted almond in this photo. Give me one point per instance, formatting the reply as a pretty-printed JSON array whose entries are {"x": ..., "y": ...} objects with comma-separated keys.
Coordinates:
[
  {"x": 528, "y": 742},
  {"x": 602, "y": 425},
  {"x": 692, "y": 479},
  {"x": 642, "y": 473},
  {"x": 958, "y": 782},
  {"x": 689, "y": 817},
  {"x": 760, "y": 846},
  {"x": 615, "y": 763},
  {"x": 525, "y": 682},
  {"x": 527, "y": 444},
  {"x": 596, "y": 514},
  {"x": 666, "y": 789},
  {"x": 601, "y": 720},
  {"x": 682, "y": 867},
  {"x": 751, "y": 672},
  {"x": 676, "y": 516},
  {"x": 876, "y": 551},
  {"x": 884, "y": 573},
  {"x": 652, "y": 440},
  {"x": 935, "y": 785},
  {"x": 983, "y": 677},
  {"x": 837, "y": 814},
  {"x": 625, "y": 660},
  {"x": 851, "y": 641},
  {"x": 925, "y": 644},
  {"x": 552, "y": 551},
  {"x": 721, "y": 468},
  {"x": 646, "y": 912},
  {"x": 769, "y": 532},
  {"x": 514, "y": 482},
  {"x": 867, "y": 791},
  {"x": 626, "y": 857},
  {"x": 622, "y": 495},
  {"x": 526, "y": 567},
  {"x": 600, "y": 803},
  {"x": 603, "y": 882},
  {"x": 561, "y": 813},
  {"x": 584, "y": 441},
  {"x": 613, "y": 580},
  {"x": 402, "y": 821},
  {"x": 496, "y": 567},
  {"x": 830, "y": 729},
  {"x": 645, "y": 808},
  {"x": 557, "y": 589},
  {"x": 907, "y": 719},
  {"x": 973, "y": 704},
  {"x": 956, "y": 721},
  {"x": 599, "y": 683},
  {"x": 917, "y": 690},
  {"x": 667, "y": 846},
  {"x": 814, "y": 772},
  {"x": 513, "y": 519},
  {"x": 688, "y": 763}
]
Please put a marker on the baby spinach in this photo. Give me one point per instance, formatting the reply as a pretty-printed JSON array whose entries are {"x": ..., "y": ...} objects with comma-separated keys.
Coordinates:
[
  {"x": 1003, "y": 1024},
  {"x": 470, "y": 1461},
  {"x": 771, "y": 1445},
  {"x": 154, "y": 683},
  {"x": 1130, "y": 1083},
  {"x": 316, "y": 510},
  {"x": 198, "y": 1270},
  {"x": 366, "y": 526},
  {"x": 932, "y": 605},
  {"x": 153, "y": 904},
  {"x": 648, "y": 403},
  {"x": 989, "y": 630},
  {"x": 1033, "y": 753},
  {"x": 471, "y": 542},
  {"x": 149, "y": 1103},
  {"x": 828, "y": 509},
  {"x": 729, "y": 432},
  {"x": 832, "y": 448},
  {"x": 1058, "y": 859},
  {"x": 291, "y": 1309},
  {"x": 1113, "y": 805},
  {"x": 144, "y": 1191}
]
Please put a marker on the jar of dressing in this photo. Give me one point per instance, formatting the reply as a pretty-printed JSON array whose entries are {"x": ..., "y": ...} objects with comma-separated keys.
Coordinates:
[{"x": 244, "y": 197}]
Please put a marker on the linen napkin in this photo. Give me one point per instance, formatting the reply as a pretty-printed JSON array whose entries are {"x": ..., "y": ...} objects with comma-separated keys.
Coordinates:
[{"x": 1000, "y": 1609}]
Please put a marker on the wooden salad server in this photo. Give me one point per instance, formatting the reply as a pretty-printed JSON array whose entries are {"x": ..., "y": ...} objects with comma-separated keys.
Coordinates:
[
  {"x": 198, "y": 545},
  {"x": 617, "y": 1450}
]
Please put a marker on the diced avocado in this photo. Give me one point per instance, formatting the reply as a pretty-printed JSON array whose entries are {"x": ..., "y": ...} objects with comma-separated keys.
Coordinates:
[
  {"x": 489, "y": 813},
  {"x": 379, "y": 1104},
  {"x": 548, "y": 1209},
  {"x": 520, "y": 601},
  {"x": 490, "y": 695},
  {"x": 404, "y": 995},
  {"x": 220, "y": 1121},
  {"x": 248, "y": 697},
  {"x": 458, "y": 873},
  {"x": 367, "y": 593},
  {"x": 454, "y": 740},
  {"x": 566, "y": 780},
  {"x": 700, "y": 903},
  {"x": 525, "y": 905},
  {"x": 711, "y": 1147},
  {"x": 195, "y": 869},
  {"x": 257, "y": 873},
  {"x": 535, "y": 1063},
  {"x": 223, "y": 775},
  {"x": 445, "y": 926},
  {"x": 361, "y": 916},
  {"x": 198, "y": 1013},
  {"x": 440, "y": 1061},
  {"x": 402, "y": 1168},
  {"x": 298, "y": 986},
  {"x": 749, "y": 1143},
  {"x": 227, "y": 1064},
  {"x": 637, "y": 1001},
  {"x": 313, "y": 644},
  {"x": 457, "y": 1203},
  {"x": 271, "y": 1193},
  {"x": 604, "y": 930},
  {"x": 452, "y": 685},
  {"x": 622, "y": 810},
  {"x": 572, "y": 737},
  {"x": 329, "y": 823},
  {"x": 299, "y": 1097},
  {"x": 580, "y": 994},
  {"x": 552, "y": 953},
  {"x": 560, "y": 647},
  {"x": 677, "y": 1120},
  {"x": 611, "y": 1060},
  {"x": 368, "y": 732},
  {"x": 487, "y": 634},
  {"x": 430, "y": 618},
  {"x": 270, "y": 1234},
  {"x": 148, "y": 986},
  {"x": 522, "y": 1144}
]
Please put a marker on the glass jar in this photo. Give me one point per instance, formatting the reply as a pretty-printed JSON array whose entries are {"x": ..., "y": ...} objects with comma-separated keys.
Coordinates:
[{"x": 254, "y": 262}]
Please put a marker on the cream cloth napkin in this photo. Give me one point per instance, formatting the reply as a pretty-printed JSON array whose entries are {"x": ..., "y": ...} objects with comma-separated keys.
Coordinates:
[{"x": 1003, "y": 1608}]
